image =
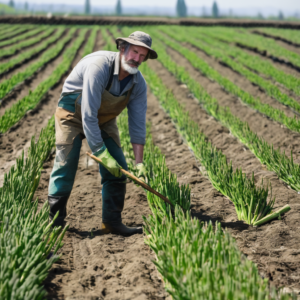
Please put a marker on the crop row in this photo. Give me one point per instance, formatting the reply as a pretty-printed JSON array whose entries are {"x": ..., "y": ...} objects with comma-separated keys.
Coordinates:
[
  {"x": 24, "y": 44},
  {"x": 211, "y": 49},
  {"x": 17, "y": 111},
  {"x": 5, "y": 27},
  {"x": 255, "y": 103},
  {"x": 264, "y": 45},
  {"x": 252, "y": 62},
  {"x": 196, "y": 260},
  {"x": 291, "y": 35},
  {"x": 28, "y": 244},
  {"x": 14, "y": 30},
  {"x": 26, "y": 239},
  {"x": 274, "y": 159},
  {"x": 26, "y": 55},
  {"x": 7, "y": 85},
  {"x": 21, "y": 37}
]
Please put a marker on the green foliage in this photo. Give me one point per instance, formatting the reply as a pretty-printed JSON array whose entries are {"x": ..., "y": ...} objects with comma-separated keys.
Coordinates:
[
  {"x": 87, "y": 7},
  {"x": 14, "y": 30},
  {"x": 7, "y": 85},
  {"x": 26, "y": 238},
  {"x": 4, "y": 67},
  {"x": 215, "y": 10},
  {"x": 17, "y": 111},
  {"x": 181, "y": 9},
  {"x": 119, "y": 8},
  {"x": 291, "y": 35},
  {"x": 88, "y": 49}
]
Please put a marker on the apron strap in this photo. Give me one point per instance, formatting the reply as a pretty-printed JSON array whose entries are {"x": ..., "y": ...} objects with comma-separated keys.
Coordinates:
[{"x": 110, "y": 77}]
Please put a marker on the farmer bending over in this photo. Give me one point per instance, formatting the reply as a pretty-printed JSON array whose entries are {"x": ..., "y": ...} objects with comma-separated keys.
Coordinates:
[{"x": 100, "y": 86}]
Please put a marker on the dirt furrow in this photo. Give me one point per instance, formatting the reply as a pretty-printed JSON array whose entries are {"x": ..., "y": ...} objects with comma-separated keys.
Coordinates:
[
  {"x": 99, "y": 42},
  {"x": 21, "y": 67},
  {"x": 273, "y": 247},
  {"x": 32, "y": 83},
  {"x": 95, "y": 266},
  {"x": 18, "y": 138},
  {"x": 241, "y": 81},
  {"x": 273, "y": 132}
]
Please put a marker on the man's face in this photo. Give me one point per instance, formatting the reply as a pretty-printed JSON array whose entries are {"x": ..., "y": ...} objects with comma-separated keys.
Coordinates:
[{"x": 134, "y": 57}]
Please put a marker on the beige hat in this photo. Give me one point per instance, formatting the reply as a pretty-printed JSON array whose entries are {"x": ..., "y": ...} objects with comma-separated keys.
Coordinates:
[{"x": 139, "y": 38}]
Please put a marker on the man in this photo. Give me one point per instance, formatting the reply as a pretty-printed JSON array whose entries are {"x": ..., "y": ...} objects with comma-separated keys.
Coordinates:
[{"x": 100, "y": 86}]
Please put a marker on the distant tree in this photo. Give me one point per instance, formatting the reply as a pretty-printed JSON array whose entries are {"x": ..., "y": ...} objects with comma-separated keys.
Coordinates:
[
  {"x": 280, "y": 15},
  {"x": 87, "y": 7},
  {"x": 11, "y": 3},
  {"x": 181, "y": 8},
  {"x": 119, "y": 8},
  {"x": 215, "y": 10},
  {"x": 260, "y": 16},
  {"x": 26, "y": 6},
  {"x": 203, "y": 11}
]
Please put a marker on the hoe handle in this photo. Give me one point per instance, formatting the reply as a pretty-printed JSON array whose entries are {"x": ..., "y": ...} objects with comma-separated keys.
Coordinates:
[{"x": 137, "y": 180}]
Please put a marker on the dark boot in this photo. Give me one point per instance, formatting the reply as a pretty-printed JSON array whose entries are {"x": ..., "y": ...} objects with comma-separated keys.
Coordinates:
[
  {"x": 58, "y": 203},
  {"x": 120, "y": 229}
]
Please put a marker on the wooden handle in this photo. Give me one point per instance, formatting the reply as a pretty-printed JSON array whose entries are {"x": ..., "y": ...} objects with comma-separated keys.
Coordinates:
[{"x": 140, "y": 182}]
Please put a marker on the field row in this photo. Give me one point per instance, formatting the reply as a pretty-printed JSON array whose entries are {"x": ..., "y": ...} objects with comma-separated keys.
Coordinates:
[{"x": 203, "y": 242}]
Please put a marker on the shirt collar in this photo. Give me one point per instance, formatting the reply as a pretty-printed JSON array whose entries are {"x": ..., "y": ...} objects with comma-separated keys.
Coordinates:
[{"x": 117, "y": 65}]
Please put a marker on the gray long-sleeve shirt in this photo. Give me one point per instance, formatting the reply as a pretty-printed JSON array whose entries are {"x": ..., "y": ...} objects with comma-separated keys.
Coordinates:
[{"x": 91, "y": 76}]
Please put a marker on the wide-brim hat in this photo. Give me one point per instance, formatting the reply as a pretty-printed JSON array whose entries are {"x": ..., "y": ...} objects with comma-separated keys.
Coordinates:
[{"x": 139, "y": 38}]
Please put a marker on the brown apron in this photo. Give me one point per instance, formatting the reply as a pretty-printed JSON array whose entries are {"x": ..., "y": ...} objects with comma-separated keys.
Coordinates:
[{"x": 68, "y": 125}]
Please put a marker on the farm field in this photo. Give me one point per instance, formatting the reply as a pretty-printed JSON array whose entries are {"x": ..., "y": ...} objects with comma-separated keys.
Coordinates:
[{"x": 223, "y": 143}]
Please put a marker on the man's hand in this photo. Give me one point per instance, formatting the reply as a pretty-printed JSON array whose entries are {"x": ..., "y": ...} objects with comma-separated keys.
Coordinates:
[
  {"x": 109, "y": 162},
  {"x": 142, "y": 172}
]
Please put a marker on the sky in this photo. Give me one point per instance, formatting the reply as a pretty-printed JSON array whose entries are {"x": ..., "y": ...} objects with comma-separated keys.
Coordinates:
[{"x": 280, "y": 4}]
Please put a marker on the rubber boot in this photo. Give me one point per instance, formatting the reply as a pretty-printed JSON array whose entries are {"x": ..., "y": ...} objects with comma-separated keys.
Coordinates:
[
  {"x": 58, "y": 203},
  {"x": 120, "y": 229}
]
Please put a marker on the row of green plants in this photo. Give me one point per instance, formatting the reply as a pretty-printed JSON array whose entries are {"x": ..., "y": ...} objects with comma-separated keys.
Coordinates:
[
  {"x": 251, "y": 202},
  {"x": 21, "y": 37},
  {"x": 211, "y": 48},
  {"x": 5, "y": 27},
  {"x": 206, "y": 70},
  {"x": 7, "y": 85},
  {"x": 197, "y": 260},
  {"x": 252, "y": 61},
  {"x": 28, "y": 243},
  {"x": 12, "y": 50},
  {"x": 28, "y": 54},
  {"x": 274, "y": 159},
  {"x": 89, "y": 46},
  {"x": 242, "y": 37},
  {"x": 18, "y": 110},
  {"x": 14, "y": 30},
  {"x": 291, "y": 35}
]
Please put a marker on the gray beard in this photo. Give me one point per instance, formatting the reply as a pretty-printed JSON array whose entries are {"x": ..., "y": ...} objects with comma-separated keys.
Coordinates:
[{"x": 127, "y": 68}]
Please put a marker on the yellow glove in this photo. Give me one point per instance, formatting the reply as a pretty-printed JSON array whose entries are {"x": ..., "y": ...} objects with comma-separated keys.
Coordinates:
[{"x": 141, "y": 172}]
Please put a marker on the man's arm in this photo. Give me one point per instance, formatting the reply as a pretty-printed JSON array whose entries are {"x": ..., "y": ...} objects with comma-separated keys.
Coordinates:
[{"x": 138, "y": 150}]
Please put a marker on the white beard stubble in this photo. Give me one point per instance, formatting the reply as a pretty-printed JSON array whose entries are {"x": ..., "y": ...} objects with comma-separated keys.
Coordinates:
[{"x": 127, "y": 68}]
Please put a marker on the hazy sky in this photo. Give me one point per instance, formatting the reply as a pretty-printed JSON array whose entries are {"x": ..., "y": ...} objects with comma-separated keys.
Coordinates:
[{"x": 286, "y": 4}]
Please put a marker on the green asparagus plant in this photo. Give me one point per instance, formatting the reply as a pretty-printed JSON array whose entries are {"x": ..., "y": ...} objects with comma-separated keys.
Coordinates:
[
  {"x": 7, "y": 85},
  {"x": 88, "y": 49},
  {"x": 26, "y": 239},
  {"x": 17, "y": 111},
  {"x": 14, "y": 30}
]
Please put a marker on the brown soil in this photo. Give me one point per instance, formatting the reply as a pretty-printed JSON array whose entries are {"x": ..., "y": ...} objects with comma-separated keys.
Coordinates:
[
  {"x": 274, "y": 246},
  {"x": 99, "y": 42},
  {"x": 273, "y": 132},
  {"x": 32, "y": 83},
  {"x": 241, "y": 81}
]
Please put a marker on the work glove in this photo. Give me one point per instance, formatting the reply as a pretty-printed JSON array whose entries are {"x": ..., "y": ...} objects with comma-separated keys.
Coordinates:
[
  {"x": 109, "y": 162},
  {"x": 141, "y": 172}
]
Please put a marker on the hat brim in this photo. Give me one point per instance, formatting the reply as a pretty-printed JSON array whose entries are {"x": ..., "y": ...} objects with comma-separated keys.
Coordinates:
[{"x": 152, "y": 53}]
